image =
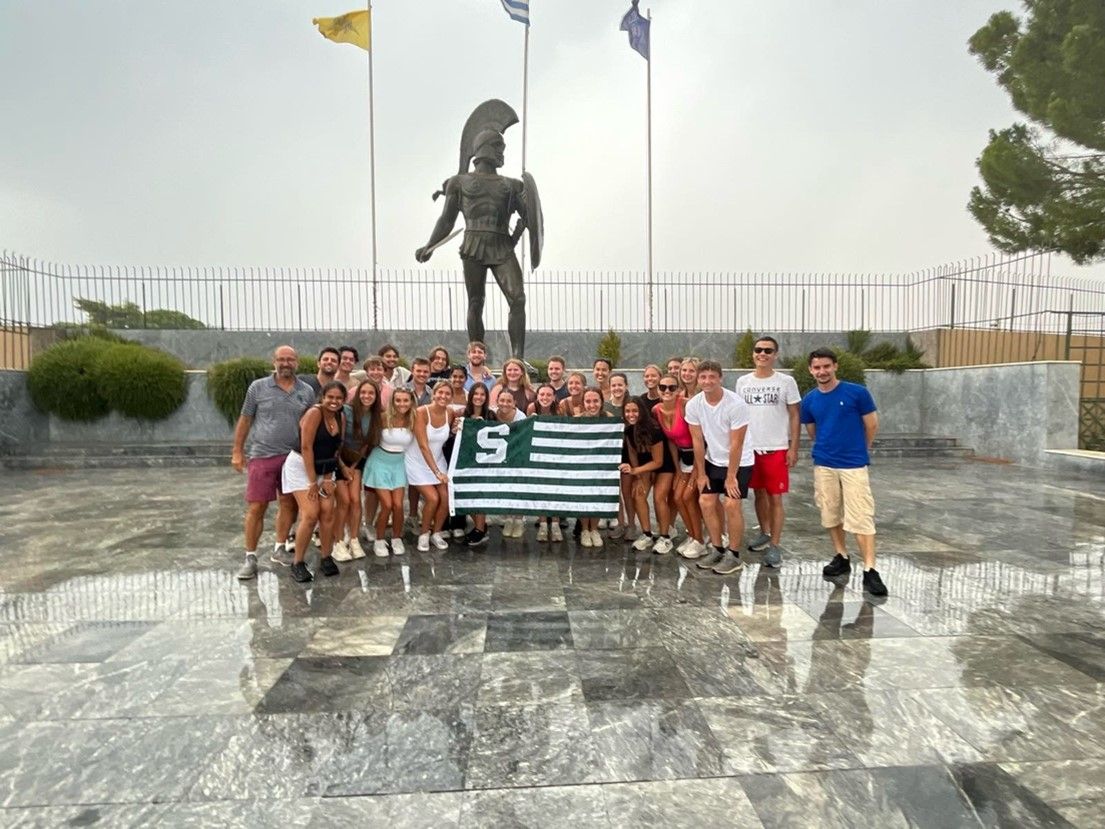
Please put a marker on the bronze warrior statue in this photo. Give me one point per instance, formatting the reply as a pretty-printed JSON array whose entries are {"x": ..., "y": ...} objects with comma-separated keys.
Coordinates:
[{"x": 487, "y": 201}]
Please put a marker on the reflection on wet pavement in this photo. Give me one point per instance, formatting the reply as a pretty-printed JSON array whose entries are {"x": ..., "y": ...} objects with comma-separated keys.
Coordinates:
[{"x": 526, "y": 684}]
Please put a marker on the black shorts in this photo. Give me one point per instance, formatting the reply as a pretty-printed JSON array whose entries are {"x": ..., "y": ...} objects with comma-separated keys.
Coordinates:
[
  {"x": 668, "y": 465},
  {"x": 715, "y": 477}
]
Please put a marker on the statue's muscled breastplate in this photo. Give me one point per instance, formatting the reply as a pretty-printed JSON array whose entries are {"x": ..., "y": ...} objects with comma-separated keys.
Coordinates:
[{"x": 485, "y": 202}]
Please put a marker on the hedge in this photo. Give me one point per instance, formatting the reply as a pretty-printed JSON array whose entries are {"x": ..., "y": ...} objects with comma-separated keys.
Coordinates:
[
  {"x": 227, "y": 383},
  {"x": 61, "y": 379},
  {"x": 140, "y": 382},
  {"x": 85, "y": 378}
]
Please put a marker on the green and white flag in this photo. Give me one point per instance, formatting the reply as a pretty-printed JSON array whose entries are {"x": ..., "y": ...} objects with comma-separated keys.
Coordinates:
[{"x": 538, "y": 466}]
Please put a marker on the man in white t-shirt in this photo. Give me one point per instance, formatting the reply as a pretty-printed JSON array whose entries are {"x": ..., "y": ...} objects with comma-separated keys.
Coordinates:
[
  {"x": 772, "y": 400},
  {"x": 722, "y": 464}
]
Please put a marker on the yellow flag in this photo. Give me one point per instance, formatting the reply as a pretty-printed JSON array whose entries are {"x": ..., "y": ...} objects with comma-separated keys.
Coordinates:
[{"x": 354, "y": 27}]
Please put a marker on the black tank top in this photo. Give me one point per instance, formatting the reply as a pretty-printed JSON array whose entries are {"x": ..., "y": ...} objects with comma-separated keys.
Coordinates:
[{"x": 326, "y": 447}]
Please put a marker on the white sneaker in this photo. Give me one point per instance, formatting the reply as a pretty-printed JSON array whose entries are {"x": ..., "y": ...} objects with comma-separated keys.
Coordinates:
[
  {"x": 554, "y": 532},
  {"x": 341, "y": 551},
  {"x": 692, "y": 550},
  {"x": 355, "y": 548},
  {"x": 438, "y": 540},
  {"x": 459, "y": 535},
  {"x": 604, "y": 523},
  {"x": 316, "y": 539},
  {"x": 397, "y": 547},
  {"x": 542, "y": 531},
  {"x": 370, "y": 533},
  {"x": 663, "y": 546},
  {"x": 424, "y": 543},
  {"x": 683, "y": 547},
  {"x": 585, "y": 538},
  {"x": 643, "y": 543},
  {"x": 596, "y": 539},
  {"x": 380, "y": 548},
  {"x": 289, "y": 543}
]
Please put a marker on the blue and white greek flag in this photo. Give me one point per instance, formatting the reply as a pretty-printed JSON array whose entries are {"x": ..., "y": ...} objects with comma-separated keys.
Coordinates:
[
  {"x": 518, "y": 10},
  {"x": 537, "y": 466}
]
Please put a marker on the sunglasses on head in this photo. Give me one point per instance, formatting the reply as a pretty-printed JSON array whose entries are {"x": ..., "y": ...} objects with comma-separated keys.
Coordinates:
[
  {"x": 760, "y": 350},
  {"x": 667, "y": 387}
]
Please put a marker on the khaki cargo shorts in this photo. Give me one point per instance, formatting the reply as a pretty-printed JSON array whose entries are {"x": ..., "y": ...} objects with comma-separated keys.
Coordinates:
[{"x": 844, "y": 497}]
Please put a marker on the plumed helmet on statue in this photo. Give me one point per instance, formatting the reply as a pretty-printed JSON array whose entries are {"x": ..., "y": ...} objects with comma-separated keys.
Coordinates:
[{"x": 487, "y": 122}]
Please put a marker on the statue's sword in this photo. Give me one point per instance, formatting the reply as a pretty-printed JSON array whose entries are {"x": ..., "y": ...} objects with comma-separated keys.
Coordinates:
[{"x": 452, "y": 235}]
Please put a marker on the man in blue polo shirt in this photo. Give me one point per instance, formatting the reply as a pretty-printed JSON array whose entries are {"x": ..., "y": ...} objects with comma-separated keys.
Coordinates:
[{"x": 841, "y": 420}]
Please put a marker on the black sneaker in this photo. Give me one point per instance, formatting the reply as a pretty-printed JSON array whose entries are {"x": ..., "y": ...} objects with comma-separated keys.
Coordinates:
[
  {"x": 476, "y": 538},
  {"x": 839, "y": 566},
  {"x": 328, "y": 566},
  {"x": 300, "y": 572},
  {"x": 872, "y": 582}
]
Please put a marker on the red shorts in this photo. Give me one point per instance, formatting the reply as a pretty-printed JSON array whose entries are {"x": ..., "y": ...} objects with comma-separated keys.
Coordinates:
[
  {"x": 263, "y": 479},
  {"x": 770, "y": 472}
]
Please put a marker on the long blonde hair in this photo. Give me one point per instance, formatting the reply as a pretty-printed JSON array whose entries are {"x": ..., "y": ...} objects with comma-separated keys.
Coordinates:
[{"x": 391, "y": 417}]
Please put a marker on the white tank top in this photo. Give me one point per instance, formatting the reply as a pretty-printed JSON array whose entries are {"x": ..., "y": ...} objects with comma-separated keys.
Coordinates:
[{"x": 395, "y": 439}]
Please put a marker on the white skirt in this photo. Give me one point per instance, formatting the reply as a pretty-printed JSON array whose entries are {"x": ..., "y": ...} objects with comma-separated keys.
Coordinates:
[{"x": 294, "y": 477}]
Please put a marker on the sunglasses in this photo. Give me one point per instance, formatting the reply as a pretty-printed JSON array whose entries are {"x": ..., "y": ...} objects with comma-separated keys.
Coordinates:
[
  {"x": 666, "y": 387},
  {"x": 759, "y": 350}
]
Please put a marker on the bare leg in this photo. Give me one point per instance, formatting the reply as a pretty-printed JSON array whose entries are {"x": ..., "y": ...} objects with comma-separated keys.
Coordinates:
[
  {"x": 386, "y": 507},
  {"x": 285, "y": 516},
  {"x": 734, "y": 518},
  {"x": 353, "y": 516},
  {"x": 661, "y": 497},
  {"x": 254, "y": 523},
  {"x": 708, "y": 502},
  {"x": 308, "y": 515},
  {"x": 430, "y": 509},
  {"x": 371, "y": 503},
  {"x": 867, "y": 549},
  {"x": 640, "y": 501},
  {"x": 837, "y": 535},
  {"x": 763, "y": 511},
  {"x": 778, "y": 515},
  {"x": 327, "y": 514}
]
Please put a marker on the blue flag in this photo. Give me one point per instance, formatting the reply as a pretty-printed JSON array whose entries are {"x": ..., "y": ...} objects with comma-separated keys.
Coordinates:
[
  {"x": 638, "y": 28},
  {"x": 518, "y": 10}
]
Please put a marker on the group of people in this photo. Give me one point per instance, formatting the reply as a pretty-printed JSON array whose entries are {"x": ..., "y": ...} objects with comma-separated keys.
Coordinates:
[{"x": 360, "y": 445}]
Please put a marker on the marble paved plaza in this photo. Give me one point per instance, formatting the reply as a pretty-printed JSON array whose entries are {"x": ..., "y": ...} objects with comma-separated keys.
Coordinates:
[{"x": 523, "y": 685}]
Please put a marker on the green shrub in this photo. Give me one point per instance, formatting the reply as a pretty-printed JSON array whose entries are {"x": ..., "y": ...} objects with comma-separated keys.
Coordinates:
[
  {"x": 228, "y": 382},
  {"x": 140, "y": 382},
  {"x": 857, "y": 340},
  {"x": 849, "y": 367},
  {"x": 129, "y": 315},
  {"x": 610, "y": 348},
  {"x": 61, "y": 380},
  {"x": 542, "y": 367},
  {"x": 307, "y": 365},
  {"x": 742, "y": 351}
]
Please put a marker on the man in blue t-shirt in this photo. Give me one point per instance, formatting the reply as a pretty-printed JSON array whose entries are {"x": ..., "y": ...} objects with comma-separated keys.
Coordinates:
[{"x": 841, "y": 420}]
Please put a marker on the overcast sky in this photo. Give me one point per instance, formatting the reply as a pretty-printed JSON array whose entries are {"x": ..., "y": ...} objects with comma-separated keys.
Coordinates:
[{"x": 819, "y": 135}]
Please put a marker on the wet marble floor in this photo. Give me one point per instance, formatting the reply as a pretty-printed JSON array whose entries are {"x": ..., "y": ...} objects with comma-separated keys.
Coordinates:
[{"x": 549, "y": 685}]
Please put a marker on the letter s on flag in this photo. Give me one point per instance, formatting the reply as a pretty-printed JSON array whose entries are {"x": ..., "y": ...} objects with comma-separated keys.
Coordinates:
[{"x": 493, "y": 438}]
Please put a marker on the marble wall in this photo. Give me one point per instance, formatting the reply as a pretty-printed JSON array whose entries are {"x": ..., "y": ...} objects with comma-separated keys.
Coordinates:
[
  {"x": 21, "y": 424},
  {"x": 199, "y": 349},
  {"x": 196, "y": 421},
  {"x": 1014, "y": 412}
]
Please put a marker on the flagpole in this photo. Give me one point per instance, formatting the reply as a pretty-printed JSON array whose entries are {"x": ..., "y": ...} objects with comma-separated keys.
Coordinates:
[
  {"x": 648, "y": 152},
  {"x": 525, "y": 123},
  {"x": 372, "y": 177}
]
